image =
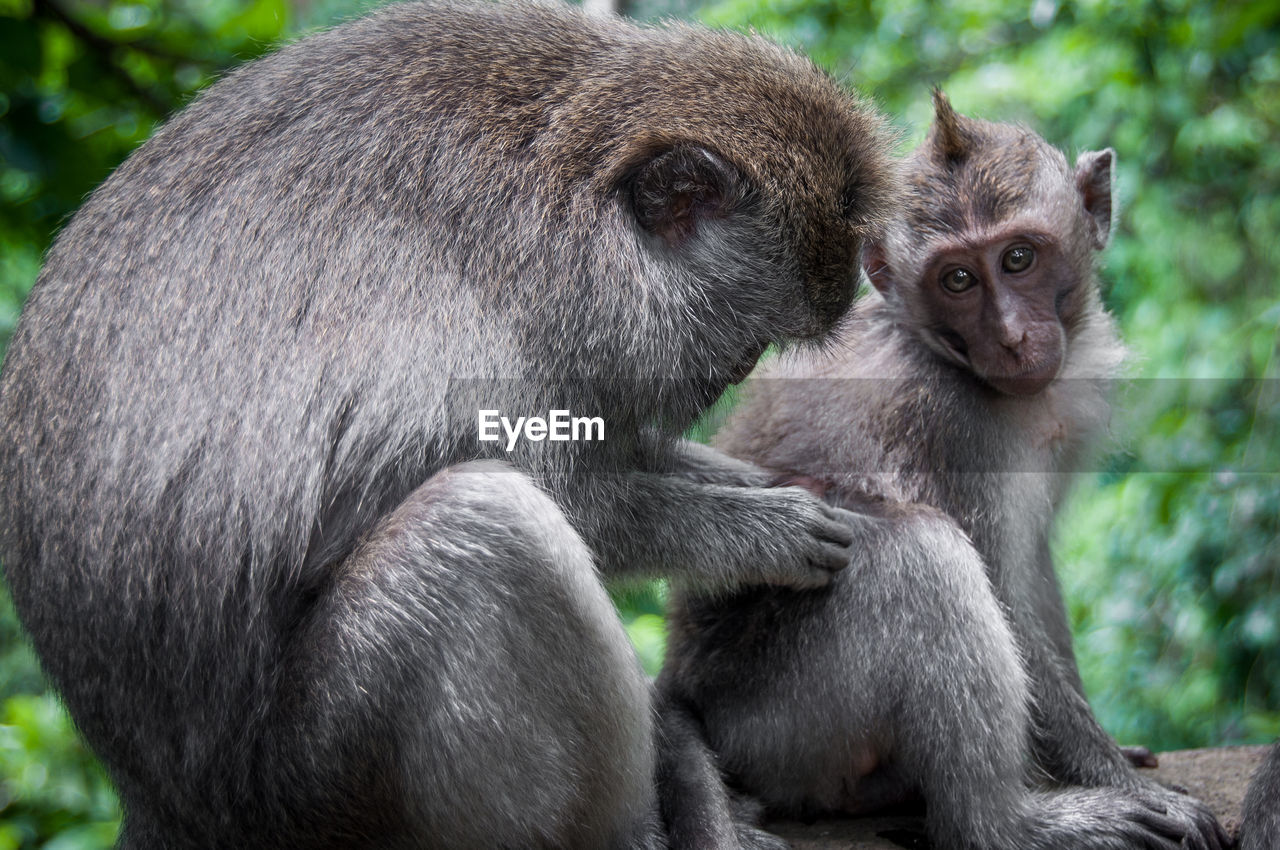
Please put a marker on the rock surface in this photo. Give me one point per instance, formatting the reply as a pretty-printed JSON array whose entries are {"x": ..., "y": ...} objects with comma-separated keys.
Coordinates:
[{"x": 1219, "y": 777}]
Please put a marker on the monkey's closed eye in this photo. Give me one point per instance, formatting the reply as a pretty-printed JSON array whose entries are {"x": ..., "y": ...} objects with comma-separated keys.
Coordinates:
[
  {"x": 1018, "y": 258},
  {"x": 958, "y": 280}
]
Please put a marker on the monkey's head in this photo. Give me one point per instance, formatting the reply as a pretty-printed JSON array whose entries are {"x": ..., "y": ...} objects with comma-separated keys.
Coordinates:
[
  {"x": 748, "y": 182},
  {"x": 992, "y": 259}
]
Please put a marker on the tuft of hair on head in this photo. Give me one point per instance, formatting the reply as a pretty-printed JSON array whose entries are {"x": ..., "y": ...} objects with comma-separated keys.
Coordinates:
[{"x": 950, "y": 140}]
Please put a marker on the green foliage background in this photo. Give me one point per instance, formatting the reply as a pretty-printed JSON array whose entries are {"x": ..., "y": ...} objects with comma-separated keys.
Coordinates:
[{"x": 1169, "y": 550}]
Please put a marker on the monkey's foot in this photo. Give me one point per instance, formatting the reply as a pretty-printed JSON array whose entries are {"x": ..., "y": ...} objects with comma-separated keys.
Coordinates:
[
  {"x": 1203, "y": 831},
  {"x": 1118, "y": 819}
]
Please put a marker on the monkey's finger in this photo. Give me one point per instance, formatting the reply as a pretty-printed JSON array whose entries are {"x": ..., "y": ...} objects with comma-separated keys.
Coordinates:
[
  {"x": 835, "y": 534},
  {"x": 836, "y": 527},
  {"x": 1154, "y": 841},
  {"x": 1216, "y": 832},
  {"x": 1193, "y": 840},
  {"x": 1205, "y": 833},
  {"x": 1200, "y": 841},
  {"x": 1224, "y": 838},
  {"x": 1153, "y": 800},
  {"x": 1140, "y": 756},
  {"x": 1151, "y": 839},
  {"x": 830, "y": 558},
  {"x": 1201, "y": 829},
  {"x": 1160, "y": 823}
]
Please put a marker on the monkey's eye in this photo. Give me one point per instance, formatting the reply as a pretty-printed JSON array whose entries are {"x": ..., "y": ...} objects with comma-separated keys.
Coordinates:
[
  {"x": 1018, "y": 258},
  {"x": 958, "y": 280}
]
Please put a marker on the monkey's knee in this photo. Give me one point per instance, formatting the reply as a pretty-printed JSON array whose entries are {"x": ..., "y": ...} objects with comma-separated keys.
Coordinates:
[{"x": 518, "y": 696}]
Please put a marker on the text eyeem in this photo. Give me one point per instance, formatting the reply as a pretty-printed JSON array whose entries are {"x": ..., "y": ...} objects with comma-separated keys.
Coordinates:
[{"x": 557, "y": 426}]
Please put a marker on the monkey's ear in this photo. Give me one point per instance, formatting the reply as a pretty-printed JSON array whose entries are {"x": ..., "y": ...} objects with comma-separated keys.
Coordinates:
[
  {"x": 876, "y": 265},
  {"x": 1093, "y": 182},
  {"x": 679, "y": 189}
]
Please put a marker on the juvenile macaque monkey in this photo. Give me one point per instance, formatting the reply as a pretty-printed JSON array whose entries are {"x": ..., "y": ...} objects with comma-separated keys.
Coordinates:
[
  {"x": 941, "y": 663},
  {"x": 289, "y": 596},
  {"x": 1261, "y": 827}
]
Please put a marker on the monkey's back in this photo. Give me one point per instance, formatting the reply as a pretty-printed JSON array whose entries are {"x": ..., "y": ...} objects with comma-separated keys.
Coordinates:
[
  {"x": 236, "y": 352},
  {"x": 244, "y": 349},
  {"x": 298, "y": 262}
]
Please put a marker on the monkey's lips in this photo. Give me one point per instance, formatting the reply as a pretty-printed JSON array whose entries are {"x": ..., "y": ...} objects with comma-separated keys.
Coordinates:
[{"x": 1029, "y": 382}]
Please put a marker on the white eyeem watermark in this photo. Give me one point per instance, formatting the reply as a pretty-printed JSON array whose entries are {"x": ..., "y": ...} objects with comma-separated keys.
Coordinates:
[{"x": 558, "y": 426}]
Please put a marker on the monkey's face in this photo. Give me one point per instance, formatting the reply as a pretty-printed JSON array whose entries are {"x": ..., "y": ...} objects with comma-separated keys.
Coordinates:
[
  {"x": 1000, "y": 306},
  {"x": 991, "y": 260}
]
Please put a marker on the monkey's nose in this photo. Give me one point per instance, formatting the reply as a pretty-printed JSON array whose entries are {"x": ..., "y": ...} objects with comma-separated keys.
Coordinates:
[{"x": 1013, "y": 339}]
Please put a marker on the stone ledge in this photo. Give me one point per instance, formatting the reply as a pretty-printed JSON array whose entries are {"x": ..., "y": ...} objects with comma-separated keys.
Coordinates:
[{"x": 1219, "y": 777}]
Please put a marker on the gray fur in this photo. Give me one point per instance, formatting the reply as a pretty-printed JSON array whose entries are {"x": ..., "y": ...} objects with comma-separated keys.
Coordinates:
[
  {"x": 1260, "y": 827},
  {"x": 239, "y": 520},
  {"x": 940, "y": 663}
]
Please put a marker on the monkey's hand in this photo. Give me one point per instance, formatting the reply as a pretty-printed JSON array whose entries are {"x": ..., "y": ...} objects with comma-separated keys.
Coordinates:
[
  {"x": 711, "y": 536},
  {"x": 802, "y": 541},
  {"x": 1202, "y": 831}
]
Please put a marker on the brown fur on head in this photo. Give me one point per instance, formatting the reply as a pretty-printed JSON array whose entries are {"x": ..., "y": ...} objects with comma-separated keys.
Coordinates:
[
  {"x": 992, "y": 257},
  {"x": 814, "y": 155},
  {"x": 949, "y": 139}
]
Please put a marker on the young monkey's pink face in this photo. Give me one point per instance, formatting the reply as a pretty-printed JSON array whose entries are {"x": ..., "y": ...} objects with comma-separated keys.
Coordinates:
[
  {"x": 996, "y": 305},
  {"x": 992, "y": 262}
]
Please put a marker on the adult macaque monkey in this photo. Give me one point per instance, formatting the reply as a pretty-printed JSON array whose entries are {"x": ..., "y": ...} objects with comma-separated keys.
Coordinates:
[
  {"x": 1260, "y": 829},
  {"x": 942, "y": 663},
  {"x": 239, "y": 520}
]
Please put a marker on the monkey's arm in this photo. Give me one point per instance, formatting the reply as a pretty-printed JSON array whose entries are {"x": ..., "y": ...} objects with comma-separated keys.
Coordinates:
[
  {"x": 1261, "y": 827},
  {"x": 1047, "y": 598},
  {"x": 702, "y": 463},
  {"x": 1068, "y": 741},
  {"x": 709, "y": 535}
]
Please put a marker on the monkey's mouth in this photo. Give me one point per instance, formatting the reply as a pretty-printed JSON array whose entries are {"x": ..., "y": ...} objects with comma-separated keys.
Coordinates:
[{"x": 1028, "y": 382}]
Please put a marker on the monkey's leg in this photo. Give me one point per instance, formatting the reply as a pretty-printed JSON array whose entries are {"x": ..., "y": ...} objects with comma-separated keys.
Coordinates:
[
  {"x": 465, "y": 683},
  {"x": 1261, "y": 827},
  {"x": 939, "y": 648},
  {"x": 905, "y": 664},
  {"x": 696, "y": 806},
  {"x": 1068, "y": 741}
]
